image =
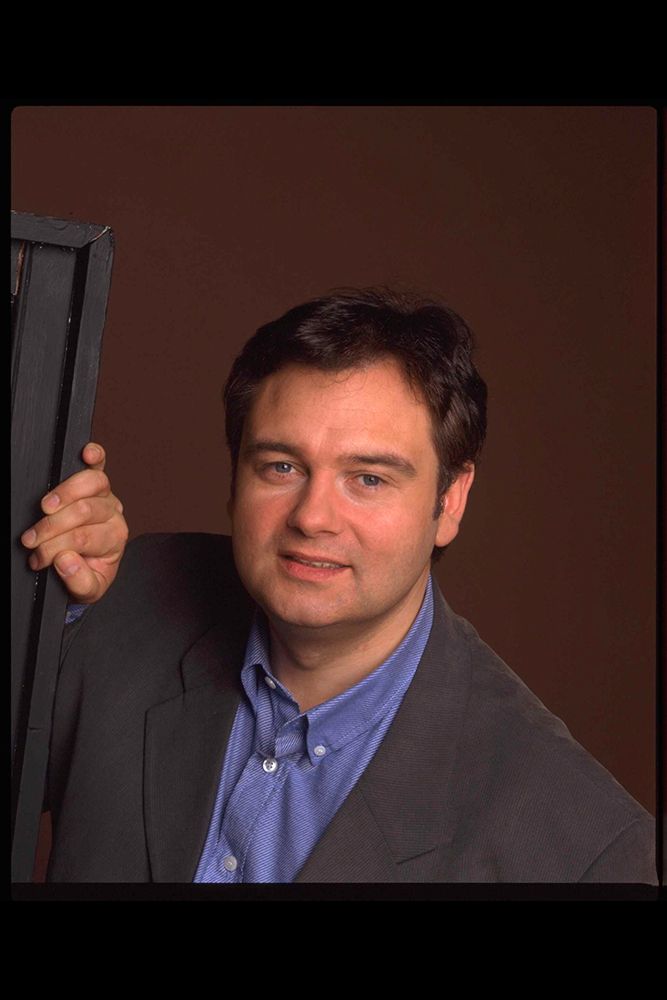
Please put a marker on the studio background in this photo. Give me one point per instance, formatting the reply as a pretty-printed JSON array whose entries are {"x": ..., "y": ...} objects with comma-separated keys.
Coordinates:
[{"x": 537, "y": 225}]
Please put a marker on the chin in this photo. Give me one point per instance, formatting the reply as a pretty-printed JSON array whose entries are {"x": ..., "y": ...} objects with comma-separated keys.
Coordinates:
[
  {"x": 301, "y": 617},
  {"x": 306, "y": 614}
]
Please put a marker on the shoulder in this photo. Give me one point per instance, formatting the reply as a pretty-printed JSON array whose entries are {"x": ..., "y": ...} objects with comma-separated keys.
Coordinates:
[
  {"x": 171, "y": 589},
  {"x": 173, "y": 579},
  {"x": 530, "y": 793},
  {"x": 194, "y": 556},
  {"x": 127, "y": 653}
]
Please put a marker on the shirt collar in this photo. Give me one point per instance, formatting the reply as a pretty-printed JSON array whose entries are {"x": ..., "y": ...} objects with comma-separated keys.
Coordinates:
[{"x": 336, "y": 722}]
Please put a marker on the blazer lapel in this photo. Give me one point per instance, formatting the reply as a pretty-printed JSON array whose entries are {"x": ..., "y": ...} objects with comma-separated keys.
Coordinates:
[
  {"x": 186, "y": 738},
  {"x": 398, "y": 820}
]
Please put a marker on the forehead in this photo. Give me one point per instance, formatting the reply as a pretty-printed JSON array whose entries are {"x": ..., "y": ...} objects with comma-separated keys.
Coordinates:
[{"x": 373, "y": 404}]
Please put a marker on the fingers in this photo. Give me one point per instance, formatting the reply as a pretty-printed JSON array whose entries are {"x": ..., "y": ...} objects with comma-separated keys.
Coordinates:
[
  {"x": 92, "y": 527},
  {"x": 83, "y": 533},
  {"x": 88, "y": 483},
  {"x": 89, "y": 510},
  {"x": 85, "y": 583}
]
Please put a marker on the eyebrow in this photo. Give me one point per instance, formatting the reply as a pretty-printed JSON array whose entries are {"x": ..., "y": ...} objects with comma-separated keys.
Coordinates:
[{"x": 389, "y": 459}]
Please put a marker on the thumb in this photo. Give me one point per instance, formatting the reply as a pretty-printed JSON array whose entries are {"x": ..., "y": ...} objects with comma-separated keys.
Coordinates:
[
  {"x": 80, "y": 581},
  {"x": 94, "y": 455}
]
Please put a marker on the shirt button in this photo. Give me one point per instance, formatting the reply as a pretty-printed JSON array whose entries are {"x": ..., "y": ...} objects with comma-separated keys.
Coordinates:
[
  {"x": 270, "y": 682},
  {"x": 270, "y": 765},
  {"x": 230, "y": 863},
  {"x": 319, "y": 750}
]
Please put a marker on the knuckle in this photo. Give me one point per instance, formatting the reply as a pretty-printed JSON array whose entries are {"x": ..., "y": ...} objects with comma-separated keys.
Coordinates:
[
  {"x": 87, "y": 589},
  {"x": 42, "y": 530},
  {"x": 43, "y": 527},
  {"x": 80, "y": 539},
  {"x": 83, "y": 508},
  {"x": 104, "y": 486},
  {"x": 121, "y": 533},
  {"x": 91, "y": 482},
  {"x": 42, "y": 556}
]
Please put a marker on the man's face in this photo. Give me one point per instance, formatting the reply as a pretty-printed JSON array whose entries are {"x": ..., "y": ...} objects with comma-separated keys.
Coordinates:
[{"x": 332, "y": 518}]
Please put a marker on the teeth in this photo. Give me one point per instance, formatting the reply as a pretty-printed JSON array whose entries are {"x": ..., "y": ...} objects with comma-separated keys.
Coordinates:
[{"x": 319, "y": 565}]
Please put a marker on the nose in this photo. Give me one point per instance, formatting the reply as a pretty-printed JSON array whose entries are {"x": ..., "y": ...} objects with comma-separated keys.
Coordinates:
[{"x": 316, "y": 508}]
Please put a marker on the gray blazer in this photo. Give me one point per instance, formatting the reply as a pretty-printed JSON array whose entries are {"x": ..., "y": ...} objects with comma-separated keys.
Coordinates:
[{"x": 475, "y": 780}]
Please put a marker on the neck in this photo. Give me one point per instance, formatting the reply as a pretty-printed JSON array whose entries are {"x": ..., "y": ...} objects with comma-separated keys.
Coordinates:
[{"x": 317, "y": 664}]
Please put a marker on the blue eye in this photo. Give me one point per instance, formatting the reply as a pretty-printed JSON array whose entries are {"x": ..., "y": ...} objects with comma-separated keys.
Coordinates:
[
  {"x": 284, "y": 468},
  {"x": 370, "y": 480}
]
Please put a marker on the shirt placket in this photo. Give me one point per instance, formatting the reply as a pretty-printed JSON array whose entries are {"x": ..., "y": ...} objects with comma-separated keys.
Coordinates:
[{"x": 278, "y": 743}]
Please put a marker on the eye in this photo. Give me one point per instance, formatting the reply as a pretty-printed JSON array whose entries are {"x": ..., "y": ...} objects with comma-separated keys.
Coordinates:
[
  {"x": 370, "y": 481},
  {"x": 279, "y": 470},
  {"x": 275, "y": 472}
]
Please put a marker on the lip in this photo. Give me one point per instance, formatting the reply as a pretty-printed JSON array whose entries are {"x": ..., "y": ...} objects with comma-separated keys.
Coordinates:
[
  {"x": 291, "y": 565},
  {"x": 313, "y": 557}
]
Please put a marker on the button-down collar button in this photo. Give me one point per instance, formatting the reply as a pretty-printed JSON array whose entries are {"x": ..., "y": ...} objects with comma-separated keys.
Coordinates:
[
  {"x": 270, "y": 765},
  {"x": 230, "y": 863},
  {"x": 319, "y": 750},
  {"x": 269, "y": 681}
]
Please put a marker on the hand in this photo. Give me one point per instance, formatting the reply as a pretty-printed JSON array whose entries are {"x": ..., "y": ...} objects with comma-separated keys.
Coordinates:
[{"x": 84, "y": 532}]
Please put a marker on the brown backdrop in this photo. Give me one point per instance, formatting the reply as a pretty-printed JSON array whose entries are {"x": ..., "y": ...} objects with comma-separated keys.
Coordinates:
[{"x": 536, "y": 224}]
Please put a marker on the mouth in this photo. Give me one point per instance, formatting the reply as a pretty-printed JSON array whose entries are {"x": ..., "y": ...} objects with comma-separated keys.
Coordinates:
[
  {"x": 307, "y": 559},
  {"x": 314, "y": 561},
  {"x": 308, "y": 566}
]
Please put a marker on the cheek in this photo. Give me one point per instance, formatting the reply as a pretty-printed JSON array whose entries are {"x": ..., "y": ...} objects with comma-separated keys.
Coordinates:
[
  {"x": 396, "y": 535},
  {"x": 418, "y": 530},
  {"x": 256, "y": 516}
]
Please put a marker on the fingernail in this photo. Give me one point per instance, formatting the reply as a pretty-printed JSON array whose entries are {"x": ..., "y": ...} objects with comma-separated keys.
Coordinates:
[
  {"x": 94, "y": 451},
  {"x": 67, "y": 568},
  {"x": 51, "y": 500},
  {"x": 29, "y": 537},
  {"x": 33, "y": 561}
]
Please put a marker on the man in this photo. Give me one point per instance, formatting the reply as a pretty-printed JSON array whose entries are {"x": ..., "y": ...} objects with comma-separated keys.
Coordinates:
[{"x": 324, "y": 716}]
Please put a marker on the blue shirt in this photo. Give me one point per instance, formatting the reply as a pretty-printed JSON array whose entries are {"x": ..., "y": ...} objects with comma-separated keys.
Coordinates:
[
  {"x": 74, "y": 612},
  {"x": 286, "y": 773}
]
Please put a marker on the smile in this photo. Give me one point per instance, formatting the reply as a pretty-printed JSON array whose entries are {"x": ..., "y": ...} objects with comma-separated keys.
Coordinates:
[
  {"x": 319, "y": 565},
  {"x": 310, "y": 567}
]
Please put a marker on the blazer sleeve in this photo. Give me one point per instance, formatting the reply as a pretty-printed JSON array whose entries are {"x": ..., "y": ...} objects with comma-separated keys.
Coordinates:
[{"x": 630, "y": 858}]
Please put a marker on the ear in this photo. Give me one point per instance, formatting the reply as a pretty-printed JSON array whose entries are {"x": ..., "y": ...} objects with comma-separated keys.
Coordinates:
[{"x": 453, "y": 506}]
